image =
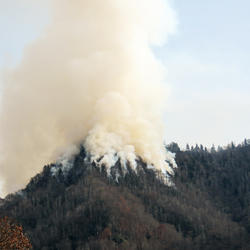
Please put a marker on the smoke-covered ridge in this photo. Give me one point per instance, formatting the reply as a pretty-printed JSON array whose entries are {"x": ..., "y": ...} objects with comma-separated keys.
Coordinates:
[{"x": 91, "y": 77}]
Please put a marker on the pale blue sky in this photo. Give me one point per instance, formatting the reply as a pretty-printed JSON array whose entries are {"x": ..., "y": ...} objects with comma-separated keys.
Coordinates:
[
  {"x": 209, "y": 70},
  {"x": 21, "y": 21},
  {"x": 207, "y": 61}
]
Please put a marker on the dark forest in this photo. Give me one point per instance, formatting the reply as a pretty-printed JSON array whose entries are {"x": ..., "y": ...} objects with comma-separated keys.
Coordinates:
[{"x": 208, "y": 207}]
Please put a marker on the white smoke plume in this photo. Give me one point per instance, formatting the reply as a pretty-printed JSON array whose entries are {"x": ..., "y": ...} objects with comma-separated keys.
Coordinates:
[{"x": 92, "y": 77}]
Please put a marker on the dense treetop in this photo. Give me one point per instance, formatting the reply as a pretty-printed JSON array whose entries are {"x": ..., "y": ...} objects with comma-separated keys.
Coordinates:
[{"x": 207, "y": 208}]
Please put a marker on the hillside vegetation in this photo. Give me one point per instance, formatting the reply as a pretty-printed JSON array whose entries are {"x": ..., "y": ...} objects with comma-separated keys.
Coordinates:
[{"x": 207, "y": 208}]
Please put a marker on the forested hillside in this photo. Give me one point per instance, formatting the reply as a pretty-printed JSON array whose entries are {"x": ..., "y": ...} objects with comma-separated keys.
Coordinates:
[{"x": 207, "y": 208}]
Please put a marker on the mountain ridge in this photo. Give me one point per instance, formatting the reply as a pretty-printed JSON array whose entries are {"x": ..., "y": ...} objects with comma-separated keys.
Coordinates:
[{"x": 86, "y": 210}]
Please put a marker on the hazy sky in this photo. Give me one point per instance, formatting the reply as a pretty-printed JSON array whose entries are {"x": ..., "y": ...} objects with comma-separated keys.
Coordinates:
[
  {"x": 209, "y": 70},
  {"x": 207, "y": 61}
]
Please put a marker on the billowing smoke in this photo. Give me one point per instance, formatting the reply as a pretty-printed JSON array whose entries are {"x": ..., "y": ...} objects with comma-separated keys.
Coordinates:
[{"x": 93, "y": 78}]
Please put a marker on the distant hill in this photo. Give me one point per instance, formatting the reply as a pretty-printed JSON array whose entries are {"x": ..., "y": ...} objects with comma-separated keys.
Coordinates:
[{"x": 207, "y": 208}]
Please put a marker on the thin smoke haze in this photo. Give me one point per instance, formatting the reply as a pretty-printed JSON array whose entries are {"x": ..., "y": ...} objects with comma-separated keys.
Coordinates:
[{"x": 93, "y": 78}]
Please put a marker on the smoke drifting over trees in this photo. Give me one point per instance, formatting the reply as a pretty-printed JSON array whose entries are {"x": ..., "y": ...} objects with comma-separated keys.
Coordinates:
[
  {"x": 92, "y": 77},
  {"x": 207, "y": 210}
]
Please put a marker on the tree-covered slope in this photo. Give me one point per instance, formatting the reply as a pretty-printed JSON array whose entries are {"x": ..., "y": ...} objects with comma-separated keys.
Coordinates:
[{"x": 208, "y": 208}]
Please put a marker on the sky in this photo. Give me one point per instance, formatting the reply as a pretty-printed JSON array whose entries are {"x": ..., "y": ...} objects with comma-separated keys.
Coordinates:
[
  {"x": 207, "y": 62},
  {"x": 208, "y": 70}
]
